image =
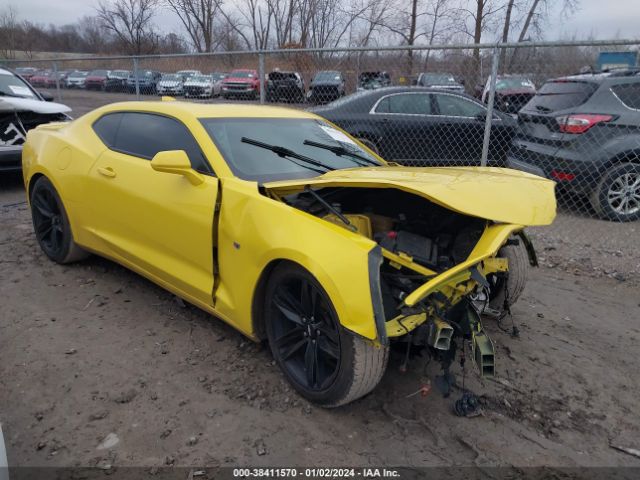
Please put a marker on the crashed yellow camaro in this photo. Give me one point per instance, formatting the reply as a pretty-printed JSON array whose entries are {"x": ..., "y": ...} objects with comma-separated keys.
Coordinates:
[{"x": 289, "y": 230}]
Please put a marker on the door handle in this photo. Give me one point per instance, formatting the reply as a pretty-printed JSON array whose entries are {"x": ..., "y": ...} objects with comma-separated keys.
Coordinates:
[{"x": 106, "y": 171}]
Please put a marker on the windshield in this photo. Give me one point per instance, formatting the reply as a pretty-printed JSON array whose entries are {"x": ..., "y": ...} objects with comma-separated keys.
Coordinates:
[
  {"x": 200, "y": 78},
  {"x": 254, "y": 163},
  {"x": 238, "y": 74},
  {"x": 99, "y": 73},
  {"x": 438, "y": 79},
  {"x": 120, "y": 74},
  {"x": 327, "y": 77},
  {"x": 12, "y": 86},
  {"x": 78, "y": 74},
  {"x": 171, "y": 78},
  {"x": 508, "y": 83}
]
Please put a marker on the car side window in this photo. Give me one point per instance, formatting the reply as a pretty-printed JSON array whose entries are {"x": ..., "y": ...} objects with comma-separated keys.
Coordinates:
[
  {"x": 144, "y": 134},
  {"x": 106, "y": 127},
  {"x": 454, "y": 106},
  {"x": 407, "y": 104},
  {"x": 629, "y": 94}
]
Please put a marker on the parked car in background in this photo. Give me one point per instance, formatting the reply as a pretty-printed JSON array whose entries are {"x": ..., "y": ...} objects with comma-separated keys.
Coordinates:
[
  {"x": 21, "y": 109},
  {"x": 241, "y": 83},
  {"x": 170, "y": 84},
  {"x": 26, "y": 72},
  {"x": 583, "y": 131},
  {"x": 326, "y": 86},
  {"x": 218, "y": 78},
  {"x": 373, "y": 80},
  {"x": 188, "y": 73},
  {"x": 117, "y": 81},
  {"x": 443, "y": 81},
  {"x": 39, "y": 79},
  {"x": 76, "y": 79},
  {"x": 512, "y": 92},
  {"x": 57, "y": 78},
  {"x": 284, "y": 86},
  {"x": 201, "y": 86},
  {"x": 420, "y": 126},
  {"x": 96, "y": 80},
  {"x": 147, "y": 82}
]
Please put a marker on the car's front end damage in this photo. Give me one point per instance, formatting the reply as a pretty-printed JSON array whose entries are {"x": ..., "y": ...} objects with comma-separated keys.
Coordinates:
[
  {"x": 436, "y": 235},
  {"x": 18, "y": 116}
]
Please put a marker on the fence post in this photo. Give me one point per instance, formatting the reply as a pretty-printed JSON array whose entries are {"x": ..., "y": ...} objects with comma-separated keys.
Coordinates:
[
  {"x": 55, "y": 73},
  {"x": 135, "y": 76},
  {"x": 261, "y": 75},
  {"x": 492, "y": 94}
]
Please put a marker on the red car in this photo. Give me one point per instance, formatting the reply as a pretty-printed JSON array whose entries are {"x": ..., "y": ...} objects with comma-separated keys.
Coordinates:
[
  {"x": 40, "y": 79},
  {"x": 241, "y": 83},
  {"x": 26, "y": 72},
  {"x": 62, "y": 77},
  {"x": 97, "y": 80}
]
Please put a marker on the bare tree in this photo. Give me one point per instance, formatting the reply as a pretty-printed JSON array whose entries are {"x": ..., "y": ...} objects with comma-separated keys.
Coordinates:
[
  {"x": 131, "y": 22},
  {"x": 198, "y": 19},
  {"x": 9, "y": 32},
  {"x": 479, "y": 16},
  {"x": 251, "y": 20}
]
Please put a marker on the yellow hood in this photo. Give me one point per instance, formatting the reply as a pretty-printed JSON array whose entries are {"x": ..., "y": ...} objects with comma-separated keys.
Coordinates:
[{"x": 497, "y": 194}]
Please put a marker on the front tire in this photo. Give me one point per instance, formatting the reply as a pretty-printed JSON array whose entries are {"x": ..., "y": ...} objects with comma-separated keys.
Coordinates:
[
  {"x": 51, "y": 224},
  {"x": 505, "y": 291},
  {"x": 617, "y": 195},
  {"x": 323, "y": 362}
]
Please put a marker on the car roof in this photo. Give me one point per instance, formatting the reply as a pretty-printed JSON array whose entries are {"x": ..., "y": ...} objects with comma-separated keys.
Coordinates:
[
  {"x": 599, "y": 77},
  {"x": 205, "y": 110}
]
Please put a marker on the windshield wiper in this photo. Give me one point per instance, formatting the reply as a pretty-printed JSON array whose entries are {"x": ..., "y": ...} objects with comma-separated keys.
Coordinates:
[
  {"x": 289, "y": 154},
  {"x": 543, "y": 109},
  {"x": 341, "y": 151}
]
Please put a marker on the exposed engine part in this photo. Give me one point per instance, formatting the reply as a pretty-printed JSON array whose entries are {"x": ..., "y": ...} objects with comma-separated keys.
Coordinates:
[
  {"x": 440, "y": 334},
  {"x": 357, "y": 223}
]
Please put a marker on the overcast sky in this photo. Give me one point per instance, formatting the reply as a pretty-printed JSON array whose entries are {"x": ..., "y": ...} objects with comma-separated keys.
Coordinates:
[{"x": 595, "y": 18}]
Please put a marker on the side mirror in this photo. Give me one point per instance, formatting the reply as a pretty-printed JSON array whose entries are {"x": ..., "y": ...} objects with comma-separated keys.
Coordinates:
[
  {"x": 176, "y": 162},
  {"x": 46, "y": 96}
]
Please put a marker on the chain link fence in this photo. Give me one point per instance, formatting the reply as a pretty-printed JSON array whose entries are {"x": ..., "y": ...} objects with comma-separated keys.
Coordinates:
[{"x": 551, "y": 109}]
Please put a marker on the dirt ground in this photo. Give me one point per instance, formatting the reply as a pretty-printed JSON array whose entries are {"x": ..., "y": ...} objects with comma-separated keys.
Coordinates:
[{"x": 99, "y": 367}]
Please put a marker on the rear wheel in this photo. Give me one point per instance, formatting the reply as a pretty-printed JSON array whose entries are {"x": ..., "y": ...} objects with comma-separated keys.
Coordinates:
[
  {"x": 325, "y": 363},
  {"x": 617, "y": 195},
  {"x": 51, "y": 224}
]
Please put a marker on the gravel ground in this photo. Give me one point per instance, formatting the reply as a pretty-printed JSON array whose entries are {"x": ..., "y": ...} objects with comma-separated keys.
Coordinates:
[{"x": 99, "y": 367}]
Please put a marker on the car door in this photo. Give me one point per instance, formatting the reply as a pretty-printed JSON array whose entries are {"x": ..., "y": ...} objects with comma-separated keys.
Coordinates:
[
  {"x": 406, "y": 130},
  {"x": 460, "y": 128},
  {"x": 159, "y": 223}
]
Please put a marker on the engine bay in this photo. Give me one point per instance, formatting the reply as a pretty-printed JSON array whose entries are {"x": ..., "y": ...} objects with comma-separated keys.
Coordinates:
[{"x": 404, "y": 224}]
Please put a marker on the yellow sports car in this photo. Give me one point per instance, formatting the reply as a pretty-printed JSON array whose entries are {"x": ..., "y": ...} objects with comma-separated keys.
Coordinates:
[{"x": 285, "y": 227}]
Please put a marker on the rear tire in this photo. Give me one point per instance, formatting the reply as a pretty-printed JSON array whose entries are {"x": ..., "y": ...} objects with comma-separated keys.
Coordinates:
[
  {"x": 322, "y": 361},
  {"x": 51, "y": 224},
  {"x": 617, "y": 195},
  {"x": 511, "y": 286}
]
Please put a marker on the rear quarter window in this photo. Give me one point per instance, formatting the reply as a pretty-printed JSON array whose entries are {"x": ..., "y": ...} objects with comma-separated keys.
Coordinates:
[
  {"x": 106, "y": 127},
  {"x": 561, "y": 95},
  {"x": 629, "y": 94}
]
